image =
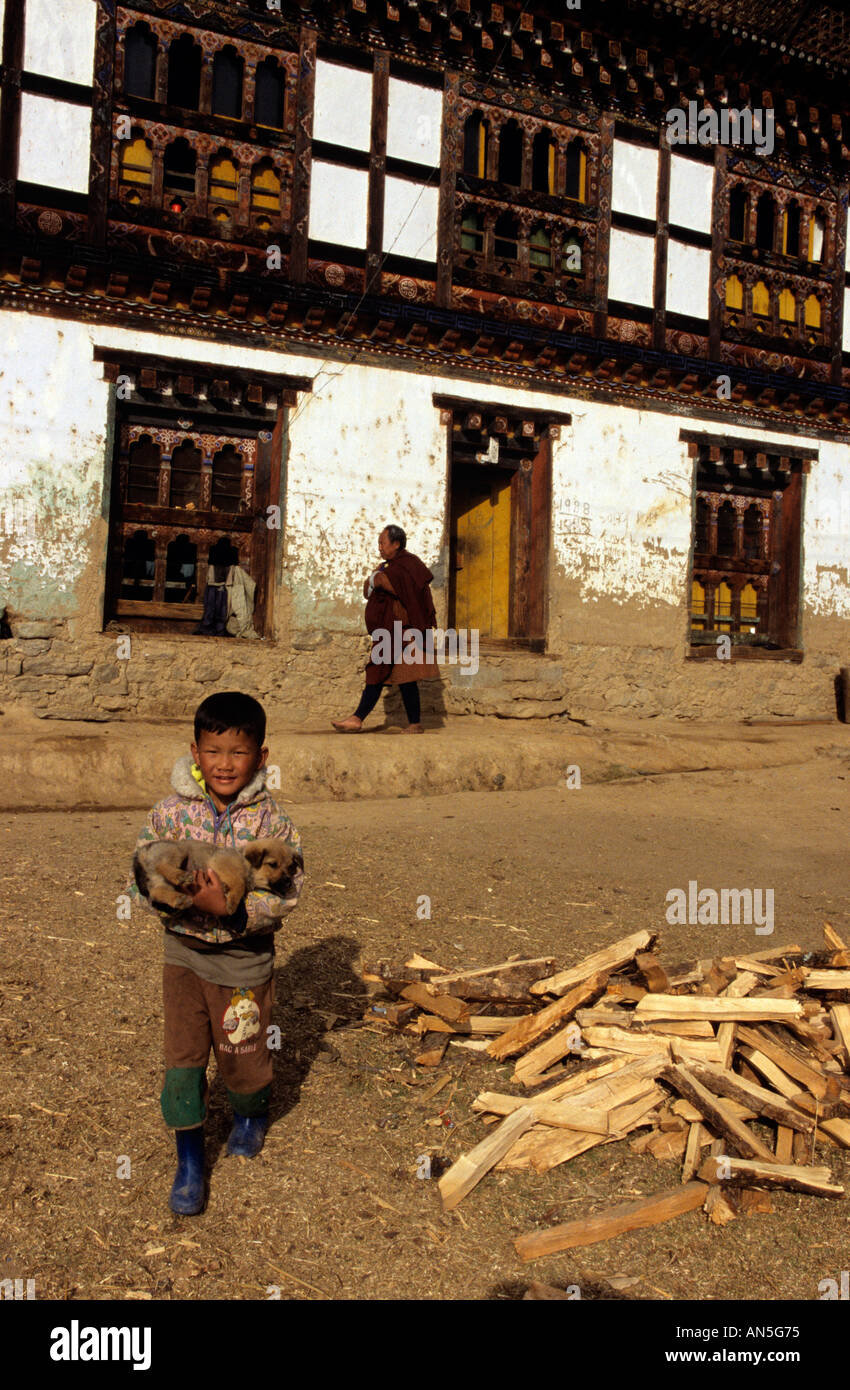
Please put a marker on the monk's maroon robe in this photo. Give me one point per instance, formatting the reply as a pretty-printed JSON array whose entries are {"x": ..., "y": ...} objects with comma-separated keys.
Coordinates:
[{"x": 411, "y": 580}]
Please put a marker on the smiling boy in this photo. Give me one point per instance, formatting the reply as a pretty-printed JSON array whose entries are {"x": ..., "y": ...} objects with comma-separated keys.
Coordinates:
[{"x": 218, "y": 985}]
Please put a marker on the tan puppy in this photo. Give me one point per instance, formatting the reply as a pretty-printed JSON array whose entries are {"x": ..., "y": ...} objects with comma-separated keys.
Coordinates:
[{"x": 165, "y": 870}]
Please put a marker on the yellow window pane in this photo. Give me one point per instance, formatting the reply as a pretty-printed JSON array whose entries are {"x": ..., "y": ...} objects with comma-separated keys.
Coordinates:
[
  {"x": 223, "y": 181},
  {"x": 137, "y": 163},
  {"x": 265, "y": 191},
  {"x": 482, "y": 149},
  {"x": 761, "y": 298},
  {"x": 749, "y": 603},
  {"x": 582, "y": 177},
  {"x": 813, "y": 312},
  {"x": 734, "y": 293},
  {"x": 551, "y": 168},
  {"x": 723, "y": 601},
  {"x": 697, "y": 598},
  {"x": 787, "y": 306}
]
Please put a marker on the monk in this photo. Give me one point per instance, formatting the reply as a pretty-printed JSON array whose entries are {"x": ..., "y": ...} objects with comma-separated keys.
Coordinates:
[{"x": 398, "y": 591}]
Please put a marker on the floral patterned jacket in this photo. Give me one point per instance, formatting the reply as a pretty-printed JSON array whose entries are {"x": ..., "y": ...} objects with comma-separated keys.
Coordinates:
[{"x": 191, "y": 815}]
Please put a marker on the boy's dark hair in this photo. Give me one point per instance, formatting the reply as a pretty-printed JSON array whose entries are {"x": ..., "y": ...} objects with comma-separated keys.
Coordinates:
[
  {"x": 230, "y": 709},
  {"x": 396, "y": 536}
]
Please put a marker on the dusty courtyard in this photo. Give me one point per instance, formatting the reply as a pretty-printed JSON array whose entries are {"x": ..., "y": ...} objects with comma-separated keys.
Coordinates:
[{"x": 333, "y": 1208}]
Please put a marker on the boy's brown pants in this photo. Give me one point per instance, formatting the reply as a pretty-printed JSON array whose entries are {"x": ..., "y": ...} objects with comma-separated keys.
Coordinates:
[{"x": 235, "y": 1023}]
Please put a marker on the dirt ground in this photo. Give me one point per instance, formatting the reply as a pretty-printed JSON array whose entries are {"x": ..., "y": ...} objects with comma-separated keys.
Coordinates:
[{"x": 333, "y": 1207}]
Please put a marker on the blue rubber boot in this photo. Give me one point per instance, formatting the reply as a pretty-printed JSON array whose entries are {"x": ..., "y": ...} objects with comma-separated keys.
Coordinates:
[
  {"x": 247, "y": 1135},
  {"x": 187, "y": 1192}
]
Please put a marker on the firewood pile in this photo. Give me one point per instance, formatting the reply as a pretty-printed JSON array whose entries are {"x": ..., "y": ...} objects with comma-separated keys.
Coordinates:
[{"x": 739, "y": 1066}]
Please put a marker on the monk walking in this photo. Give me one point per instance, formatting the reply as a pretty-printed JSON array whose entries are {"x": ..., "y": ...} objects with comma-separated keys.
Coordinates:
[{"x": 398, "y": 600}]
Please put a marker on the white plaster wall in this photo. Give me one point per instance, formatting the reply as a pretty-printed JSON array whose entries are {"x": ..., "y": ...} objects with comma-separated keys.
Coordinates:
[
  {"x": 622, "y": 510},
  {"x": 634, "y": 188},
  {"x": 410, "y": 219},
  {"x": 342, "y": 113},
  {"x": 688, "y": 278},
  {"x": 631, "y": 267},
  {"x": 691, "y": 193},
  {"x": 366, "y": 447},
  {"x": 414, "y": 119},
  {"x": 59, "y": 39},
  {"x": 338, "y": 204},
  {"x": 55, "y": 143}
]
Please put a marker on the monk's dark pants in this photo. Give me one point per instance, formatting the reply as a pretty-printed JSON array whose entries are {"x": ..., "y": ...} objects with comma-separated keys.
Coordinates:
[{"x": 409, "y": 694}]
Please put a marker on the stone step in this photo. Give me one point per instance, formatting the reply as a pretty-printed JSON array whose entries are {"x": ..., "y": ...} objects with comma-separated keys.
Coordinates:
[{"x": 509, "y": 686}]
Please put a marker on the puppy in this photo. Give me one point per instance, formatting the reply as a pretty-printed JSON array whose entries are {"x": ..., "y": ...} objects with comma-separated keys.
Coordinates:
[{"x": 164, "y": 870}]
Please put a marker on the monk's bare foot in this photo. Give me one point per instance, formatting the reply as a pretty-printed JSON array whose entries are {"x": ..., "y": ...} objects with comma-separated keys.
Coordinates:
[
  {"x": 351, "y": 725},
  {"x": 414, "y": 729}
]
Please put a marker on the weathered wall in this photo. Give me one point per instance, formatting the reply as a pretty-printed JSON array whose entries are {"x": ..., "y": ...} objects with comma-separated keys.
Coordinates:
[{"x": 367, "y": 447}]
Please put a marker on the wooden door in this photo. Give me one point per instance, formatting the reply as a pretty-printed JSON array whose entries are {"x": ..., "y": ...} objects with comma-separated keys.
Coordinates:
[{"x": 481, "y": 549}]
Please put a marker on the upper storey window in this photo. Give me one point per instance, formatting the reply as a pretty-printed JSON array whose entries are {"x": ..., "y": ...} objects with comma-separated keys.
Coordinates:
[
  {"x": 140, "y": 51},
  {"x": 269, "y": 94},
  {"x": 228, "y": 68},
  {"x": 184, "y": 73}
]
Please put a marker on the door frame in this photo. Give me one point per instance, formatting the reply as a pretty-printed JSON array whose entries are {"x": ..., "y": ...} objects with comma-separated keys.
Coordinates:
[{"x": 531, "y": 515}]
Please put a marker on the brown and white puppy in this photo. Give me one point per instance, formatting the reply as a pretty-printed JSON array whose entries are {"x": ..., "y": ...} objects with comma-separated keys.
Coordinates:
[{"x": 165, "y": 870}]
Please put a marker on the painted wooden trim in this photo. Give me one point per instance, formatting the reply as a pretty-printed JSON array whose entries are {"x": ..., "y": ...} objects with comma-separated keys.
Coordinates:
[
  {"x": 377, "y": 173},
  {"x": 101, "y": 125},
  {"x": 10, "y": 107},
  {"x": 305, "y": 101},
  {"x": 450, "y": 151},
  {"x": 662, "y": 240},
  {"x": 603, "y": 240}
]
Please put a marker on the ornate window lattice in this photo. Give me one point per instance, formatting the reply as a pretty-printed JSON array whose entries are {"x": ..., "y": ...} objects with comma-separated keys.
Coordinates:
[{"x": 746, "y": 546}]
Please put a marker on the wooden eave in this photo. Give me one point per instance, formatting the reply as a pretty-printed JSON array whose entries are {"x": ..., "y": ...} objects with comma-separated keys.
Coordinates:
[{"x": 98, "y": 287}]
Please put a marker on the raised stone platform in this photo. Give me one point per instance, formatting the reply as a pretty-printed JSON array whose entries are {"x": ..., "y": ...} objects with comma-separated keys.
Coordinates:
[{"x": 62, "y": 764}]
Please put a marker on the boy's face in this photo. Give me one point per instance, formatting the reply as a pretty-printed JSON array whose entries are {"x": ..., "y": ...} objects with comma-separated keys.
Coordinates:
[{"x": 228, "y": 761}]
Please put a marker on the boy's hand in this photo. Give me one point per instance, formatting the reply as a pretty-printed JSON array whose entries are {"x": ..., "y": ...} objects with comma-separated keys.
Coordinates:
[{"x": 208, "y": 894}]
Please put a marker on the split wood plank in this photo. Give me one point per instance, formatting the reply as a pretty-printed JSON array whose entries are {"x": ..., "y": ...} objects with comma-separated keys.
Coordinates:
[
  {"x": 756, "y": 1098},
  {"x": 534, "y": 1026},
  {"x": 719, "y": 1207},
  {"x": 509, "y": 980},
  {"x": 795, "y": 1177},
  {"x": 579, "y": 1080},
  {"x": 433, "y": 1050},
  {"x": 609, "y": 959},
  {"x": 696, "y": 1137},
  {"x": 544, "y": 1148},
  {"x": 840, "y": 1015},
  {"x": 718, "y": 1115},
  {"x": 631, "y": 1216},
  {"x": 470, "y": 1168},
  {"x": 691, "y": 1115},
  {"x": 452, "y": 1010},
  {"x": 808, "y": 1074},
  {"x": 687, "y": 1028},
  {"x": 784, "y": 1144},
  {"x": 652, "y": 971},
  {"x": 833, "y": 941},
  {"x": 828, "y": 979},
  {"x": 720, "y": 1009},
  {"x": 839, "y": 1130}
]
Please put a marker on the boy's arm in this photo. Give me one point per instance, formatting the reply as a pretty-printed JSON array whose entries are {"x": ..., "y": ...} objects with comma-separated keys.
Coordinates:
[{"x": 264, "y": 911}]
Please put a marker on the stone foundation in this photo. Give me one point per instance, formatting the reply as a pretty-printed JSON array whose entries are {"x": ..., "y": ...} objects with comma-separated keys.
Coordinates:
[{"x": 318, "y": 675}]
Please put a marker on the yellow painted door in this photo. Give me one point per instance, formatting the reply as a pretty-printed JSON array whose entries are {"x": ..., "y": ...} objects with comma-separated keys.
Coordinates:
[{"x": 482, "y": 551}]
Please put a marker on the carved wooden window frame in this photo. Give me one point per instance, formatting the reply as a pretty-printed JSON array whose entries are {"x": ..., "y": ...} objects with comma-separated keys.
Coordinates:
[{"x": 744, "y": 475}]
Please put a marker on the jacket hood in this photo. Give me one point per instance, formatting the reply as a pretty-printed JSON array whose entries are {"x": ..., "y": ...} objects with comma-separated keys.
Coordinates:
[{"x": 186, "y": 779}]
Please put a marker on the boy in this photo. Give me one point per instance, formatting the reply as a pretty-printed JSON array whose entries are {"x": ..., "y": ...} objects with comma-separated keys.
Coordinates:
[{"x": 218, "y": 986}]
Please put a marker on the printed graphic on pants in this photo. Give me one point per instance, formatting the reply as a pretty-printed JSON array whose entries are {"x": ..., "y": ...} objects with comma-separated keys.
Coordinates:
[{"x": 242, "y": 1016}]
